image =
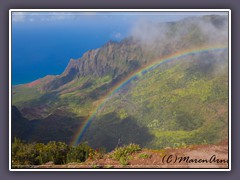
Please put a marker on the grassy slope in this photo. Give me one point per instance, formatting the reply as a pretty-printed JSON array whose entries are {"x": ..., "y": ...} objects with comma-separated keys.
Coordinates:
[
  {"x": 74, "y": 97},
  {"x": 174, "y": 105},
  {"x": 55, "y": 115}
]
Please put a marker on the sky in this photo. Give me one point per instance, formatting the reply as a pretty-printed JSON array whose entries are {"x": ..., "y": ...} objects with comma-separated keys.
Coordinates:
[{"x": 44, "y": 42}]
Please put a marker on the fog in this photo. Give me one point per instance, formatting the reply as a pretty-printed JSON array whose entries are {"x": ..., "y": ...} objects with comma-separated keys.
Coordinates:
[
  {"x": 209, "y": 30},
  {"x": 189, "y": 33}
]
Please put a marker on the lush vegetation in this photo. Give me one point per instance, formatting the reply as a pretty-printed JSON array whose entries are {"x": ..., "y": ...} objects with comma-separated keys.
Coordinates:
[
  {"x": 60, "y": 153},
  {"x": 55, "y": 152},
  {"x": 177, "y": 104}
]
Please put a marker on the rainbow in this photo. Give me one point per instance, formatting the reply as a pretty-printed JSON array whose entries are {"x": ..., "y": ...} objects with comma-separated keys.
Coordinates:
[{"x": 101, "y": 103}]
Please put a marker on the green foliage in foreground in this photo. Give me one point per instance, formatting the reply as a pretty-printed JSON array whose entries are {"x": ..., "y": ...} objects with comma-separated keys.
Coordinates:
[
  {"x": 122, "y": 154},
  {"x": 79, "y": 153},
  {"x": 144, "y": 156},
  {"x": 61, "y": 153},
  {"x": 56, "y": 152}
]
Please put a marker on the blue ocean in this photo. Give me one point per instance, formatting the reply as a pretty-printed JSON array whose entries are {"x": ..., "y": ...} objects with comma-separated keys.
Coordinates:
[{"x": 45, "y": 49}]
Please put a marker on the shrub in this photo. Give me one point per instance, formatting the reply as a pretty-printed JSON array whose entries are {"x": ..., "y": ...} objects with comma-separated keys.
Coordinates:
[
  {"x": 98, "y": 153},
  {"x": 124, "y": 161},
  {"x": 79, "y": 153},
  {"x": 122, "y": 153},
  {"x": 56, "y": 152},
  {"x": 144, "y": 156},
  {"x": 26, "y": 154}
]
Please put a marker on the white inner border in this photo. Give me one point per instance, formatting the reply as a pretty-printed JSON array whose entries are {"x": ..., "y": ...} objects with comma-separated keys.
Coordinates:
[{"x": 119, "y": 10}]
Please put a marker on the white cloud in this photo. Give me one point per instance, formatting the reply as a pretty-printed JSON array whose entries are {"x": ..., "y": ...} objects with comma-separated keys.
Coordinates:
[{"x": 117, "y": 35}]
